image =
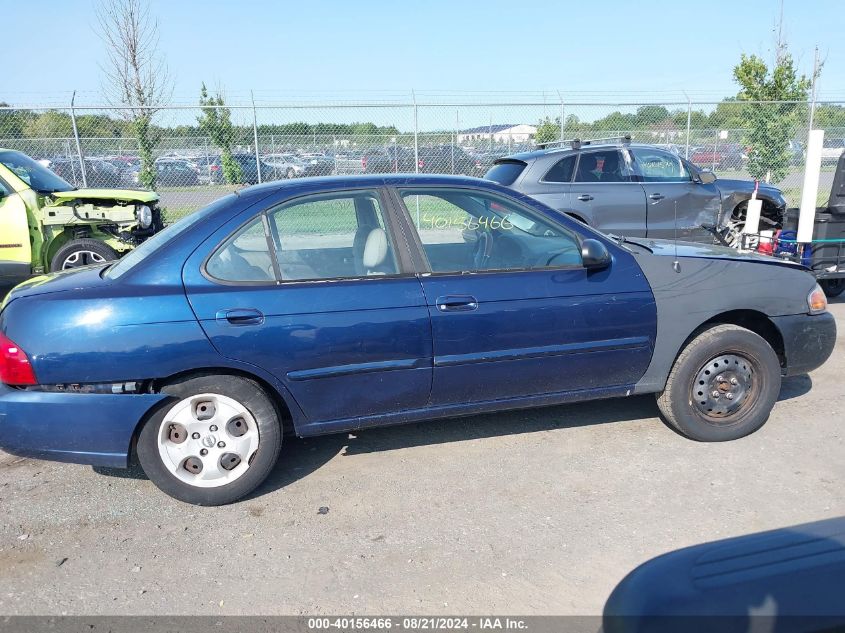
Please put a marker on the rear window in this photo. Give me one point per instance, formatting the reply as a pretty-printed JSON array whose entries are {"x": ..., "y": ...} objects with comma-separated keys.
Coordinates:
[
  {"x": 505, "y": 172},
  {"x": 160, "y": 239}
]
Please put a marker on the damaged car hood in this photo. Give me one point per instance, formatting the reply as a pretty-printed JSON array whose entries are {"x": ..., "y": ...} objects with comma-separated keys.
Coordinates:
[
  {"x": 128, "y": 195},
  {"x": 671, "y": 248}
]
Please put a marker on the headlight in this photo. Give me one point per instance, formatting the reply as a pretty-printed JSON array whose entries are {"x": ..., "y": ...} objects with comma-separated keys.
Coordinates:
[
  {"x": 145, "y": 216},
  {"x": 817, "y": 301}
]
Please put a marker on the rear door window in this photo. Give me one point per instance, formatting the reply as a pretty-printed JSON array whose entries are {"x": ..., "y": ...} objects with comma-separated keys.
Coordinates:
[
  {"x": 505, "y": 172},
  {"x": 562, "y": 170},
  {"x": 601, "y": 166}
]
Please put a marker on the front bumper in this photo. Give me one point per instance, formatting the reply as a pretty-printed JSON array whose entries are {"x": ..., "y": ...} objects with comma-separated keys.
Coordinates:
[
  {"x": 808, "y": 340},
  {"x": 91, "y": 429}
]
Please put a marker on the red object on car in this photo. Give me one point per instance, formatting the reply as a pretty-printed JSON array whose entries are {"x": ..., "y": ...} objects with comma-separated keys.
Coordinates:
[
  {"x": 767, "y": 244},
  {"x": 14, "y": 364}
]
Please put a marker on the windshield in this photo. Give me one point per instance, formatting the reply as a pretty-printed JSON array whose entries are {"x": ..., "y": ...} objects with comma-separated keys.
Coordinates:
[
  {"x": 33, "y": 173},
  {"x": 157, "y": 241}
]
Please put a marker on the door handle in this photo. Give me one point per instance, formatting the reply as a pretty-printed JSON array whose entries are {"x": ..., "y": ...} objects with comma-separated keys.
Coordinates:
[
  {"x": 457, "y": 303},
  {"x": 585, "y": 197},
  {"x": 657, "y": 197},
  {"x": 240, "y": 316}
]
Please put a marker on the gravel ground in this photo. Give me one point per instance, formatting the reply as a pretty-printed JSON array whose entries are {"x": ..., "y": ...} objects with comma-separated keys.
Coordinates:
[{"x": 532, "y": 512}]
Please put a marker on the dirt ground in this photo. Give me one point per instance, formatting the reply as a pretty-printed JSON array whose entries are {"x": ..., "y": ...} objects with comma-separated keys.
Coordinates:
[{"x": 531, "y": 512}]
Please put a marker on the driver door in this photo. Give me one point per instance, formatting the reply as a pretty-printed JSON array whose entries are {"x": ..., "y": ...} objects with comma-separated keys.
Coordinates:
[
  {"x": 678, "y": 205},
  {"x": 513, "y": 311}
]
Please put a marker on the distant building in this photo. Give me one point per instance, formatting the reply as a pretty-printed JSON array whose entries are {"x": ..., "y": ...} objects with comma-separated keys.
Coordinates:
[{"x": 501, "y": 133}]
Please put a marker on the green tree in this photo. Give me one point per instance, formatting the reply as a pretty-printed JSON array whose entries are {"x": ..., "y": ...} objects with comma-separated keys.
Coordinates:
[
  {"x": 770, "y": 126},
  {"x": 829, "y": 116},
  {"x": 50, "y": 124},
  {"x": 216, "y": 123},
  {"x": 728, "y": 114},
  {"x": 651, "y": 115},
  {"x": 13, "y": 123},
  {"x": 548, "y": 130}
]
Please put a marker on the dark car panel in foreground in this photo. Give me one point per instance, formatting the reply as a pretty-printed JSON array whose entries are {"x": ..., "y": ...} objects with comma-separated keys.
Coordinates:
[
  {"x": 342, "y": 303},
  {"x": 787, "y": 580}
]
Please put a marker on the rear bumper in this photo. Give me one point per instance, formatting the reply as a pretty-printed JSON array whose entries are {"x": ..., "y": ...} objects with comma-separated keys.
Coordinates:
[
  {"x": 808, "y": 341},
  {"x": 91, "y": 429}
]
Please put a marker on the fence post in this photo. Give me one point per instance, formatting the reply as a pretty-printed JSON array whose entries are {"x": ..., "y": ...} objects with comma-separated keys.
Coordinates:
[
  {"x": 562, "y": 113},
  {"x": 813, "y": 91},
  {"x": 689, "y": 124},
  {"x": 416, "y": 136},
  {"x": 76, "y": 136},
  {"x": 255, "y": 136}
]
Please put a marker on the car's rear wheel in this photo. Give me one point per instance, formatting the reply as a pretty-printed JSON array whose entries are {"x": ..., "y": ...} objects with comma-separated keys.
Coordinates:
[
  {"x": 722, "y": 386},
  {"x": 83, "y": 252},
  {"x": 833, "y": 287},
  {"x": 214, "y": 443}
]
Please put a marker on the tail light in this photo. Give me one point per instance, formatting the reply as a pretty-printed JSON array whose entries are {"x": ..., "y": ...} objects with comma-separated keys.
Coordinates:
[
  {"x": 363, "y": 162},
  {"x": 14, "y": 364}
]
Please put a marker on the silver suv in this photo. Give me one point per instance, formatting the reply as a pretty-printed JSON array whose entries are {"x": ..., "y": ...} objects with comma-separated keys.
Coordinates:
[{"x": 636, "y": 190}]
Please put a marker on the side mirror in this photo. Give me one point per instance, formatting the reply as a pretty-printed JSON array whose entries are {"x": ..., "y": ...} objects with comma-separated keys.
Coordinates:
[
  {"x": 594, "y": 255},
  {"x": 706, "y": 177}
]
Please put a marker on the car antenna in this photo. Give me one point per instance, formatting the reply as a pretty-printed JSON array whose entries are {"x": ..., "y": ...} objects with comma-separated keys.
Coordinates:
[{"x": 676, "y": 265}]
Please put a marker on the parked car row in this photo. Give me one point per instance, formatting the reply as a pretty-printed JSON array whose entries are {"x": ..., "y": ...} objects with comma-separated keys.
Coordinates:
[
  {"x": 186, "y": 168},
  {"x": 191, "y": 168}
]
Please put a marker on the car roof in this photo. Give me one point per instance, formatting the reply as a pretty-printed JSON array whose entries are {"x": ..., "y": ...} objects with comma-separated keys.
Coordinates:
[
  {"x": 566, "y": 149},
  {"x": 328, "y": 183}
]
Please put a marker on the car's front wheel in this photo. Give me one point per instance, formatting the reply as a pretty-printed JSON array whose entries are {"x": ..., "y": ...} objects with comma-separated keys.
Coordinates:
[
  {"x": 214, "y": 443},
  {"x": 82, "y": 252},
  {"x": 722, "y": 386},
  {"x": 833, "y": 287}
]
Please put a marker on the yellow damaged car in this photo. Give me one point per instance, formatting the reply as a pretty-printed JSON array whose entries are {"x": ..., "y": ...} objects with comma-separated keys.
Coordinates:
[{"x": 47, "y": 225}]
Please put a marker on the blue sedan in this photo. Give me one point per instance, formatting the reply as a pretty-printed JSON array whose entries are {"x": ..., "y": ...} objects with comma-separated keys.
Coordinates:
[{"x": 332, "y": 304}]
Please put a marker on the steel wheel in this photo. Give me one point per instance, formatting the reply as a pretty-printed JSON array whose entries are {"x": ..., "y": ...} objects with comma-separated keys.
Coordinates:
[
  {"x": 208, "y": 440},
  {"x": 82, "y": 258},
  {"x": 724, "y": 388}
]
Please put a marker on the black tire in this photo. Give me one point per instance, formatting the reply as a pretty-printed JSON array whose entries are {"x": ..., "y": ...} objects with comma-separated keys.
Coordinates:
[
  {"x": 832, "y": 287},
  {"x": 684, "y": 402},
  {"x": 85, "y": 251},
  {"x": 254, "y": 399}
]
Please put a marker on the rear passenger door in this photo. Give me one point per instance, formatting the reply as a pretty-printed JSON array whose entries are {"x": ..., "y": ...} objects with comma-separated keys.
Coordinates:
[
  {"x": 319, "y": 292},
  {"x": 605, "y": 195},
  {"x": 552, "y": 187}
]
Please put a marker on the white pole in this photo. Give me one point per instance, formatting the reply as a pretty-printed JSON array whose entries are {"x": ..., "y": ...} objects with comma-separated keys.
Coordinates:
[
  {"x": 689, "y": 123},
  {"x": 78, "y": 144},
  {"x": 255, "y": 136},
  {"x": 416, "y": 143},
  {"x": 810, "y": 192}
]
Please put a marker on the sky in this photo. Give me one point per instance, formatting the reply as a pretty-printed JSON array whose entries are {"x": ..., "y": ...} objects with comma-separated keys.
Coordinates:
[{"x": 380, "y": 50}]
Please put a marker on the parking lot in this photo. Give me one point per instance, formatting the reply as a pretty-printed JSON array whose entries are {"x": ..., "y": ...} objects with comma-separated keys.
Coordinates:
[{"x": 539, "y": 511}]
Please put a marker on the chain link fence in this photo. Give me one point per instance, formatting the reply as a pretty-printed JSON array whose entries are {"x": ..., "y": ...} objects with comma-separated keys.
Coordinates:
[{"x": 96, "y": 147}]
